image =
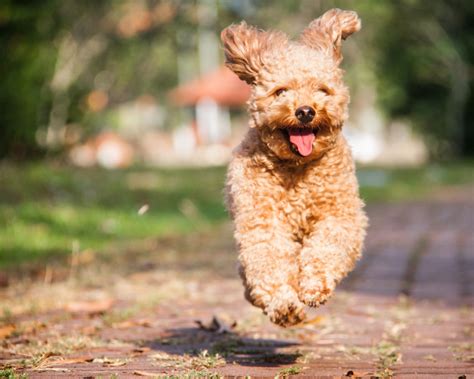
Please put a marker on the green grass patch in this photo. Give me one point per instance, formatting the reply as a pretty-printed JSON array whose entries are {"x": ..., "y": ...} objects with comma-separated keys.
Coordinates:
[
  {"x": 398, "y": 184},
  {"x": 286, "y": 372},
  {"x": 48, "y": 209}
]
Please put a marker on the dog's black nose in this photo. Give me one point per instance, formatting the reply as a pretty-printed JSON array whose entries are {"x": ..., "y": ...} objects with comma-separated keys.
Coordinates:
[{"x": 305, "y": 113}]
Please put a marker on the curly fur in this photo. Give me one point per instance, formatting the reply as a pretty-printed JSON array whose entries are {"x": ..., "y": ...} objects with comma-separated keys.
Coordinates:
[{"x": 299, "y": 221}]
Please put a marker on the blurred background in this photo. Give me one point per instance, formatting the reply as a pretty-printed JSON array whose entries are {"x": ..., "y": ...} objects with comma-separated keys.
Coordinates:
[{"x": 118, "y": 116}]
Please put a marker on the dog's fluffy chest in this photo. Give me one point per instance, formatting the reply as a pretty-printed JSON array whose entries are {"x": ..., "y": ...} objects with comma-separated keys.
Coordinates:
[{"x": 303, "y": 200}]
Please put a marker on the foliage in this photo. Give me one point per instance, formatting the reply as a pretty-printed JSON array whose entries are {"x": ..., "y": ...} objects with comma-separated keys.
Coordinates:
[
  {"x": 62, "y": 51},
  {"x": 62, "y": 210},
  {"x": 25, "y": 34},
  {"x": 423, "y": 59}
]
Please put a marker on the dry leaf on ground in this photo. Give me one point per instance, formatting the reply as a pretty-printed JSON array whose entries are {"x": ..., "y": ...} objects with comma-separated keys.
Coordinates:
[
  {"x": 6, "y": 330},
  {"x": 216, "y": 326},
  {"x": 141, "y": 350},
  {"x": 131, "y": 323},
  {"x": 49, "y": 364},
  {"x": 358, "y": 374},
  {"x": 143, "y": 209},
  {"x": 55, "y": 369},
  {"x": 145, "y": 373},
  {"x": 314, "y": 321},
  {"x": 109, "y": 362}
]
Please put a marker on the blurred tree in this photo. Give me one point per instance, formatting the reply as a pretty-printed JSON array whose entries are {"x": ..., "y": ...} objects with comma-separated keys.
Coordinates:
[
  {"x": 67, "y": 61},
  {"x": 424, "y": 54},
  {"x": 26, "y": 32}
]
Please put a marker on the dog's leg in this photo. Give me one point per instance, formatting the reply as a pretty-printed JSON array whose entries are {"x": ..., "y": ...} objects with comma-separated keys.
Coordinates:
[
  {"x": 327, "y": 256},
  {"x": 269, "y": 271},
  {"x": 267, "y": 250}
]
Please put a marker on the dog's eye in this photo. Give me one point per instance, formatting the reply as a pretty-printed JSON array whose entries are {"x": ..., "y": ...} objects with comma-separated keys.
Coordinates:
[
  {"x": 324, "y": 90},
  {"x": 279, "y": 91}
]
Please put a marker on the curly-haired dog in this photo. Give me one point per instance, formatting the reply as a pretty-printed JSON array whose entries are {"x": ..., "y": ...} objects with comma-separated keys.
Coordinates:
[{"x": 291, "y": 185}]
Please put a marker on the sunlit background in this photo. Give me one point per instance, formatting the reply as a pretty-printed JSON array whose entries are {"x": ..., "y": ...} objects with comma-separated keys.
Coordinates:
[
  {"x": 117, "y": 120},
  {"x": 118, "y": 117}
]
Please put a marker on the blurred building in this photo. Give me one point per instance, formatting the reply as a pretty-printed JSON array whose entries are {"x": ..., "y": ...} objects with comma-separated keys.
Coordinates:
[
  {"x": 376, "y": 140},
  {"x": 210, "y": 98}
]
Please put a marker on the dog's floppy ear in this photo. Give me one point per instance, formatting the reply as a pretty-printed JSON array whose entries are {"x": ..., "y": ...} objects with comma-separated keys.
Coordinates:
[
  {"x": 330, "y": 29},
  {"x": 244, "y": 46}
]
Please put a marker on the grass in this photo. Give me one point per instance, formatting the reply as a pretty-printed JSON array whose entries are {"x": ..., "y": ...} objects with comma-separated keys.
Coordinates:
[
  {"x": 197, "y": 366},
  {"x": 10, "y": 374},
  {"x": 399, "y": 184},
  {"x": 206, "y": 360},
  {"x": 49, "y": 210},
  {"x": 286, "y": 372}
]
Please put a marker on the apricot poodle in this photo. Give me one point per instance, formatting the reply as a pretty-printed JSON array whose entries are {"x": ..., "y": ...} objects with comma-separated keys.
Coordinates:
[{"x": 291, "y": 185}]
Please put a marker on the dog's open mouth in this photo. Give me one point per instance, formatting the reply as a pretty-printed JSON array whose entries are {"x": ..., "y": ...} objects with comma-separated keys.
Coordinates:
[{"x": 301, "y": 139}]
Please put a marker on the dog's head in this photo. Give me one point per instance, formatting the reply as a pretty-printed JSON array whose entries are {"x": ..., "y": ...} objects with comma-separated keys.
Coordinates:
[{"x": 299, "y": 101}]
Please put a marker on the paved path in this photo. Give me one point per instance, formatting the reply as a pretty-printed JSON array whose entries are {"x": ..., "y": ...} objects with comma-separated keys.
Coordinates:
[{"x": 406, "y": 311}]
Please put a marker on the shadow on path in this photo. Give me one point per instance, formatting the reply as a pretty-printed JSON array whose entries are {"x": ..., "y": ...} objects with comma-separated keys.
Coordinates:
[{"x": 232, "y": 347}]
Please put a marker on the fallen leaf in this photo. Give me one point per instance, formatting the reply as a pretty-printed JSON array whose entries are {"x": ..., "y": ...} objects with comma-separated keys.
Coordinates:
[
  {"x": 140, "y": 350},
  {"x": 314, "y": 321},
  {"x": 117, "y": 363},
  {"x": 216, "y": 326},
  {"x": 109, "y": 362},
  {"x": 44, "y": 358},
  {"x": 143, "y": 209},
  {"x": 90, "y": 307},
  {"x": 101, "y": 360},
  {"x": 51, "y": 369},
  {"x": 49, "y": 364},
  {"x": 6, "y": 330},
  {"x": 357, "y": 374},
  {"x": 131, "y": 324},
  {"x": 145, "y": 373},
  {"x": 161, "y": 356}
]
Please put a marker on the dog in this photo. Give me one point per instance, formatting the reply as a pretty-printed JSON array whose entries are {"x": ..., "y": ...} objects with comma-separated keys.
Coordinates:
[{"x": 291, "y": 188}]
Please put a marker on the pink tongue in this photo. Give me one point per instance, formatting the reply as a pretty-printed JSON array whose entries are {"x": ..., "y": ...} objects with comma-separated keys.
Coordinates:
[{"x": 303, "y": 139}]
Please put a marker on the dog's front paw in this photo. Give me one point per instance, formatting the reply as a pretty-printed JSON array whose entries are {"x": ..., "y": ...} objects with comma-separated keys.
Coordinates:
[
  {"x": 315, "y": 290},
  {"x": 285, "y": 309}
]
